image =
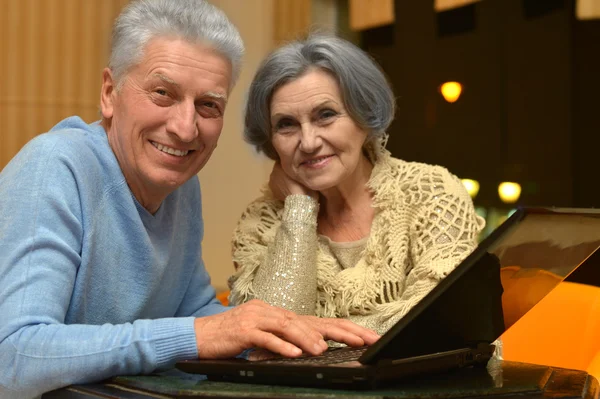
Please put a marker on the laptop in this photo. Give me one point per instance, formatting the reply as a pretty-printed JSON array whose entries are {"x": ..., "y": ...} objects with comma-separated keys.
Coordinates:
[{"x": 456, "y": 324}]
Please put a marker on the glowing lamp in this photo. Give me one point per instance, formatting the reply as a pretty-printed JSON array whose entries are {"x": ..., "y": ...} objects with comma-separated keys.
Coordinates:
[
  {"x": 451, "y": 91},
  {"x": 472, "y": 186},
  {"x": 509, "y": 192}
]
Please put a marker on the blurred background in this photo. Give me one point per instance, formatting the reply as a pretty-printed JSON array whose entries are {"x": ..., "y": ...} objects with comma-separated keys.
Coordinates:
[{"x": 504, "y": 93}]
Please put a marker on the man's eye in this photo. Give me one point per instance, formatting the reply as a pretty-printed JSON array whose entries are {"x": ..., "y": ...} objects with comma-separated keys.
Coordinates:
[
  {"x": 209, "y": 109},
  {"x": 162, "y": 97}
]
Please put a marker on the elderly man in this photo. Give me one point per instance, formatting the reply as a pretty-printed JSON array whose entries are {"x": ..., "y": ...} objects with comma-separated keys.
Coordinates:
[{"x": 100, "y": 224}]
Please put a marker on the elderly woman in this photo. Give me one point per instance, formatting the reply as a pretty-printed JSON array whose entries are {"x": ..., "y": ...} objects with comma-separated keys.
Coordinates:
[{"x": 343, "y": 229}]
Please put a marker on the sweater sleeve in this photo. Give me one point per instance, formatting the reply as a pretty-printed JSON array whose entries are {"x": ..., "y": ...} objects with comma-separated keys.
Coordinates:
[
  {"x": 41, "y": 234},
  {"x": 443, "y": 232},
  {"x": 279, "y": 270}
]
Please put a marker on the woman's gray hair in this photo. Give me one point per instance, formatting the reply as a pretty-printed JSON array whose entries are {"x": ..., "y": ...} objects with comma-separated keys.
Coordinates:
[
  {"x": 196, "y": 21},
  {"x": 367, "y": 96}
]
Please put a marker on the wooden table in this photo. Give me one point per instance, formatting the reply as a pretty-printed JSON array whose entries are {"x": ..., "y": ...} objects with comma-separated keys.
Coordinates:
[{"x": 500, "y": 379}]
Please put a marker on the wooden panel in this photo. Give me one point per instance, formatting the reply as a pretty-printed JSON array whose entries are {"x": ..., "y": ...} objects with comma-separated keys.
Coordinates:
[
  {"x": 586, "y": 125},
  {"x": 587, "y": 9},
  {"x": 53, "y": 52},
  {"x": 291, "y": 20},
  {"x": 443, "y": 5},
  {"x": 366, "y": 14}
]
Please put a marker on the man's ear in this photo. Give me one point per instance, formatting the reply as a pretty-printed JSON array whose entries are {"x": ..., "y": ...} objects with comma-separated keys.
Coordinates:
[{"x": 107, "y": 94}]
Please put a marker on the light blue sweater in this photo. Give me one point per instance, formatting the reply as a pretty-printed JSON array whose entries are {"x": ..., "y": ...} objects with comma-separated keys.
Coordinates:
[{"x": 91, "y": 284}]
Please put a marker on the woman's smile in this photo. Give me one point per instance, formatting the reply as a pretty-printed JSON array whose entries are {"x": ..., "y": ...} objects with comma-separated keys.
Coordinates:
[{"x": 317, "y": 162}]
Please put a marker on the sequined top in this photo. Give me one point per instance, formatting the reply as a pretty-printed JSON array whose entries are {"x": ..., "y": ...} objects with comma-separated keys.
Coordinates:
[{"x": 424, "y": 225}]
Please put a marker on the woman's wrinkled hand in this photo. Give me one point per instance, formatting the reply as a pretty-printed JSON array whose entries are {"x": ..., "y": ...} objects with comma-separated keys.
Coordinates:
[{"x": 282, "y": 185}]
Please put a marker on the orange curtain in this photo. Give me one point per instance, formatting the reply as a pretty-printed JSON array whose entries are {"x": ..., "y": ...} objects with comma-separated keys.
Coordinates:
[
  {"x": 291, "y": 20},
  {"x": 53, "y": 52}
]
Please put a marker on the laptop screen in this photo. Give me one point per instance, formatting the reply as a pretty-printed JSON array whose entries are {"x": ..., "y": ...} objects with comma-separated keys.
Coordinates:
[
  {"x": 506, "y": 275},
  {"x": 538, "y": 252}
]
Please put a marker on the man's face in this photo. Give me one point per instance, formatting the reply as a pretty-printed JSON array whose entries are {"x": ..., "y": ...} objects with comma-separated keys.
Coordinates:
[{"x": 166, "y": 117}]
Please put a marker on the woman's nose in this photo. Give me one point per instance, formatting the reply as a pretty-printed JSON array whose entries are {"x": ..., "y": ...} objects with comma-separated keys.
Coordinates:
[{"x": 310, "y": 140}]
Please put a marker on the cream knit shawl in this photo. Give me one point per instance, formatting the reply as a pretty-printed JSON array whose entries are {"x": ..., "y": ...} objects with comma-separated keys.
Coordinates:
[{"x": 424, "y": 225}]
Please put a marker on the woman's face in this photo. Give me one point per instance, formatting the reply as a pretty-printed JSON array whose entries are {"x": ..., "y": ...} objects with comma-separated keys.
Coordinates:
[{"x": 318, "y": 143}]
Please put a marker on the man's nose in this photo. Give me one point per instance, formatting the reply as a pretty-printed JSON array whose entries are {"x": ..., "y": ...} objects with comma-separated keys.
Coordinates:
[
  {"x": 183, "y": 122},
  {"x": 310, "y": 140}
]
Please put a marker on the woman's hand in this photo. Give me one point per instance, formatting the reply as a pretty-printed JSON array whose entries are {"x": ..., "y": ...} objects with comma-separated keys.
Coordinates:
[{"x": 282, "y": 185}]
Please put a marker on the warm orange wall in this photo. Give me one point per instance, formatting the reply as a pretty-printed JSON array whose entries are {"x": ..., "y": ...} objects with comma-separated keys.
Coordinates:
[
  {"x": 234, "y": 174},
  {"x": 53, "y": 52}
]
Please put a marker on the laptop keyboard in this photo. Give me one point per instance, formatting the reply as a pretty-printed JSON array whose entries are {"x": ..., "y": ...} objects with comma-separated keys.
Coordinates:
[{"x": 330, "y": 356}]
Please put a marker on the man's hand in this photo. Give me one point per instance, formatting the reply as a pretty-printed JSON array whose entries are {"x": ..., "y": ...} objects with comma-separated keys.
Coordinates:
[
  {"x": 256, "y": 324},
  {"x": 282, "y": 185}
]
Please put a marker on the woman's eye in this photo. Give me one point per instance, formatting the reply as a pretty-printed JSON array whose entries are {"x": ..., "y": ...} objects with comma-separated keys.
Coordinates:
[
  {"x": 284, "y": 124},
  {"x": 327, "y": 113}
]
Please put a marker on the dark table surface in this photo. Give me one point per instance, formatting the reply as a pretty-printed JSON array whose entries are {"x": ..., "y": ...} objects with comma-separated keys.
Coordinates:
[{"x": 500, "y": 379}]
